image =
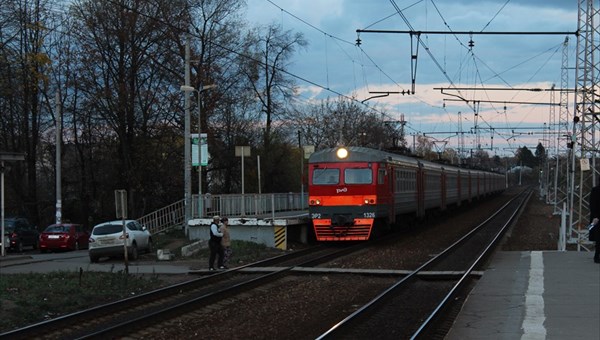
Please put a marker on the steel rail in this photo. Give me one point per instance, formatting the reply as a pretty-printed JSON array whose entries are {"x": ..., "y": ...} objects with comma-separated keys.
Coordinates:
[
  {"x": 63, "y": 322},
  {"x": 381, "y": 299},
  {"x": 170, "y": 311},
  {"x": 462, "y": 281}
]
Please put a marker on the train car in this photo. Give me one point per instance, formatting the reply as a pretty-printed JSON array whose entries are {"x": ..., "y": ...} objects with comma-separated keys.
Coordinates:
[{"x": 355, "y": 190}]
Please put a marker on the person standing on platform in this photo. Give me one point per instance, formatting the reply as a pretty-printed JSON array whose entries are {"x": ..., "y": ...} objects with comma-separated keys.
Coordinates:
[
  {"x": 226, "y": 241},
  {"x": 594, "y": 219},
  {"x": 214, "y": 243}
]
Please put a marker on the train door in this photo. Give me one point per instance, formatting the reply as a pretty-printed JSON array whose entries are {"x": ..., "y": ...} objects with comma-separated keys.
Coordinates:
[
  {"x": 459, "y": 187},
  {"x": 443, "y": 189},
  {"x": 420, "y": 191},
  {"x": 470, "y": 186},
  {"x": 390, "y": 176}
]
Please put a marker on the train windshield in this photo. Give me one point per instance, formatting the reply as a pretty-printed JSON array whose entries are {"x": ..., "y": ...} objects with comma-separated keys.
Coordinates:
[
  {"x": 358, "y": 176},
  {"x": 326, "y": 176}
]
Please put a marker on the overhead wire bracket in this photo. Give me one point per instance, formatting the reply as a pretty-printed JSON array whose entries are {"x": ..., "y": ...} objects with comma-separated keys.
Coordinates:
[{"x": 414, "y": 53}]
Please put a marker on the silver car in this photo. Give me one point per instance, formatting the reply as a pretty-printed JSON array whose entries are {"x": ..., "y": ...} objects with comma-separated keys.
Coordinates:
[{"x": 107, "y": 240}]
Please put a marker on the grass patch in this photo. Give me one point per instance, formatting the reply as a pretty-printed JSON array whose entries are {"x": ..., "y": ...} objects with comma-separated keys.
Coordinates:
[
  {"x": 171, "y": 238},
  {"x": 243, "y": 252},
  {"x": 30, "y": 298}
]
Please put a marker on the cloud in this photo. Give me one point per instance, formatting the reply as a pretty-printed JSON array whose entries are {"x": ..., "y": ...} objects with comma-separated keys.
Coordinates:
[{"x": 385, "y": 62}]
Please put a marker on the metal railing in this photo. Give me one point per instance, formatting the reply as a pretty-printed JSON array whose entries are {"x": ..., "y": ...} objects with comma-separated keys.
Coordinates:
[
  {"x": 164, "y": 218},
  {"x": 251, "y": 205},
  {"x": 231, "y": 205}
]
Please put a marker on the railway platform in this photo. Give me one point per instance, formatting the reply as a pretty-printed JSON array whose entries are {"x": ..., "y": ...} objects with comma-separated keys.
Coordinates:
[
  {"x": 533, "y": 295},
  {"x": 273, "y": 230}
]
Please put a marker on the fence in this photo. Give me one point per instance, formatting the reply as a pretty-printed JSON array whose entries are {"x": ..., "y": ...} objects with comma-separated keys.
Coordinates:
[
  {"x": 231, "y": 205},
  {"x": 252, "y": 205}
]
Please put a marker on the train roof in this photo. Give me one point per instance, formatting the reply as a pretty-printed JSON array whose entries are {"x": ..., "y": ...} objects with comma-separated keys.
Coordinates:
[
  {"x": 362, "y": 154},
  {"x": 358, "y": 154}
]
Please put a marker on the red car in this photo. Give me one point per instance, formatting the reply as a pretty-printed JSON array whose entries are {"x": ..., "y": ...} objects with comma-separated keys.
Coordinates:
[{"x": 64, "y": 237}]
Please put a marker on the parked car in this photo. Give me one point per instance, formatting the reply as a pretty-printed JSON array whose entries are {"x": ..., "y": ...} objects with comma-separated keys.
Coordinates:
[
  {"x": 20, "y": 233},
  {"x": 107, "y": 240},
  {"x": 64, "y": 236}
]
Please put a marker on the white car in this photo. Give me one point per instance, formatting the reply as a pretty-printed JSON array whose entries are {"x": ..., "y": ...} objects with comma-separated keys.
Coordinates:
[{"x": 107, "y": 240}]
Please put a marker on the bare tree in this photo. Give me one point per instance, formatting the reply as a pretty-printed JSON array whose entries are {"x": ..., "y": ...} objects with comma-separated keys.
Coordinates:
[
  {"x": 269, "y": 54},
  {"x": 126, "y": 58},
  {"x": 424, "y": 148},
  {"x": 229, "y": 115},
  {"x": 24, "y": 80},
  {"x": 341, "y": 122},
  {"x": 118, "y": 65}
]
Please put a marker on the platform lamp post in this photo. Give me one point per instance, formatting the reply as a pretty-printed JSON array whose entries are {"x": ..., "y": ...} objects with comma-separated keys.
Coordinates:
[
  {"x": 5, "y": 157},
  {"x": 185, "y": 88}
]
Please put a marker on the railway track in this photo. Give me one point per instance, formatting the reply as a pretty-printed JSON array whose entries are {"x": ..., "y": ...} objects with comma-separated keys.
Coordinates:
[
  {"x": 173, "y": 310},
  {"x": 413, "y": 307},
  {"x": 127, "y": 316}
]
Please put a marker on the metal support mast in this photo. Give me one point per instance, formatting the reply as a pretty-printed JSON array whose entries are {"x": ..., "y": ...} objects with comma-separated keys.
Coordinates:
[
  {"x": 561, "y": 172},
  {"x": 551, "y": 149},
  {"x": 461, "y": 138},
  {"x": 587, "y": 109}
]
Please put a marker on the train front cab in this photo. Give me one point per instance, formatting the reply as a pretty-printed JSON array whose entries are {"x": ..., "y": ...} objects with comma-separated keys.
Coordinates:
[{"x": 345, "y": 199}]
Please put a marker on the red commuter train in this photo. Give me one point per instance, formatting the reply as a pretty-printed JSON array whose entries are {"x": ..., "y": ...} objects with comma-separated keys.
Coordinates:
[{"x": 353, "y": 190}]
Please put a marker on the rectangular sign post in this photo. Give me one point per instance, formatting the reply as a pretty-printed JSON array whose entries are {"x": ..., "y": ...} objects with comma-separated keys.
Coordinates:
[
  {"x": 200, "y": 153},
  {"x": 307, "y": 150},
  {"x": 121, "y": 210},
  {"x": 243, "y": 151},
  {"x": 203, "y": 153}
]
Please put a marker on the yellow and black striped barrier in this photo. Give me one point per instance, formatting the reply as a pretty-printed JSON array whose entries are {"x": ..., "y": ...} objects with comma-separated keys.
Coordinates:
[{"x": 281, "y": 237}]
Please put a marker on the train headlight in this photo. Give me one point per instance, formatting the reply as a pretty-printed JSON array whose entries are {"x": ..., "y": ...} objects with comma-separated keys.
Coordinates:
[
  {"x": 315, "y": 202},
  {"x": 342, "y": 153}
]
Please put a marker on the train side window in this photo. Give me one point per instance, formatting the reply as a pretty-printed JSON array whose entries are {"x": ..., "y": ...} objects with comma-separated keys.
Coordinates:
[
  {"x": 326, "y": 176},
  {"x": 358, "y": 176},
  {"x": 381, "y": 176}
]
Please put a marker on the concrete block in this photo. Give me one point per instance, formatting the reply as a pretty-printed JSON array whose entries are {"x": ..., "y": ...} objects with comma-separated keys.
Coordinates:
[
  {"x": 164, "y": 255},
  {"x": 193, "y": 248}
]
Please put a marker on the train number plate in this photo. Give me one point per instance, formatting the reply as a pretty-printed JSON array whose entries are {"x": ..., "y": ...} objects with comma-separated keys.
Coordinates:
[
  {"x": 315, "y": 216},
  {"x": 369, "y": 215}
]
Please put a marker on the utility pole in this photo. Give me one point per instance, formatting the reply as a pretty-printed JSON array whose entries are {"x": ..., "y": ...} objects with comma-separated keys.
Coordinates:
[
  {"x": 58, "y": 160},
  {"x": 187, "y": 146}
]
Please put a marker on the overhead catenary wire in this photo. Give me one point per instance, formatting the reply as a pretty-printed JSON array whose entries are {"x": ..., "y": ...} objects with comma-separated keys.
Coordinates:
[
  {"x": 304, "y": 79},
  {"x": 413, "y": 32}
]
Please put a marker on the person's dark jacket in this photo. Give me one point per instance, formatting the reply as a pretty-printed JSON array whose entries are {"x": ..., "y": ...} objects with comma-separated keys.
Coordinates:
[{"x": 595, "y": 209}]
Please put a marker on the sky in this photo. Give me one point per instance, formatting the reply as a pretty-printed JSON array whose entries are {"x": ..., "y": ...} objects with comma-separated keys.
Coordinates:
[{"x": 332, "y": 63}]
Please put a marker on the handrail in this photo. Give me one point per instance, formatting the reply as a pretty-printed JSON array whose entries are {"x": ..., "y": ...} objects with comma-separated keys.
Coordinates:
[{"x": 254, "y": 205}]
